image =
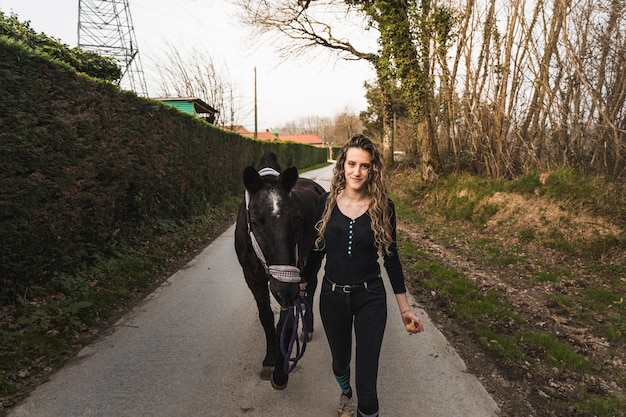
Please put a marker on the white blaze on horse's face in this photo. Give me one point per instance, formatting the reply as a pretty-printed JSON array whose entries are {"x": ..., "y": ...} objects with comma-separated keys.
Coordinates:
[{"x": 274, "y": 198}]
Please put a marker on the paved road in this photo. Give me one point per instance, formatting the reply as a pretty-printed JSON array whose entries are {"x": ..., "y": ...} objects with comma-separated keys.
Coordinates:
[{"x": 194, "y": 348}]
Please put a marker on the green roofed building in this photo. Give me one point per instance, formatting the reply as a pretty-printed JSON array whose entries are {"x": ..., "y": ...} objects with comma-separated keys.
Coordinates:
[{"x": 191, "y": 105}]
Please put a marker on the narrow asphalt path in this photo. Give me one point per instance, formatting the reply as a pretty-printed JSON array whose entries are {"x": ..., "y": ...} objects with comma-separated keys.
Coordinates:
[{"x": 194, "y": 348}]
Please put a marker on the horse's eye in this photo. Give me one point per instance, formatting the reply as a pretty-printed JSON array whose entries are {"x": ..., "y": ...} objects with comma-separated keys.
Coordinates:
[{"x": 256, "y": 221}]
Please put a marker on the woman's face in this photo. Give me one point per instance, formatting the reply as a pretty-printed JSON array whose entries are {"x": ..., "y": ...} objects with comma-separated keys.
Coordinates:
[{"x": 357, "y": 166}]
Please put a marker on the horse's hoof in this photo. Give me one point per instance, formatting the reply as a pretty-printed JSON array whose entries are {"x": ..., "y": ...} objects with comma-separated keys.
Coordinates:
[
  {"x": 278, "y": 386},
  {"x": 266, "y": 372}
]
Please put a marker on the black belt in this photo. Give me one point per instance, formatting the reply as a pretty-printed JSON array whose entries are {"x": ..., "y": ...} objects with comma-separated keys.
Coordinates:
[{"x": 347, "y": 289}]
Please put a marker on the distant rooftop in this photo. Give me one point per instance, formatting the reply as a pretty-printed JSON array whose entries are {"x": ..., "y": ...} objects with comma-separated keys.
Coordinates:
[{"x": 307, "y": 139}]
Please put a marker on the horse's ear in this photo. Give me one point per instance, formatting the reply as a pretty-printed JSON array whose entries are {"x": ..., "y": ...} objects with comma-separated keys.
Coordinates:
[
  {"x": 288, "y": 178},
  {"x": 252, "y": 180}
]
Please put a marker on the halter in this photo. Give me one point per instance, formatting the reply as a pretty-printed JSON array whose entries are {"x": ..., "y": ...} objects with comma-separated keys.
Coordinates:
[{"x": 282, "y": 273}]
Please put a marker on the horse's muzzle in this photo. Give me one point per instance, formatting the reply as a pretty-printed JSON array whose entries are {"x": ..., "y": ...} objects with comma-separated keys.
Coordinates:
[{"x": 285, "y": 293}]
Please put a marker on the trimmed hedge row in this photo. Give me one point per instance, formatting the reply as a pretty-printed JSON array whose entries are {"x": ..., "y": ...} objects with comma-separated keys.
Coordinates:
[{"x": 86, "y": 168}]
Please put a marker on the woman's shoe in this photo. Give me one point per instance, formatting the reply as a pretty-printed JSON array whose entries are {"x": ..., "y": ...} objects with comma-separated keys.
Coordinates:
[{"x": 346, "y": 406}]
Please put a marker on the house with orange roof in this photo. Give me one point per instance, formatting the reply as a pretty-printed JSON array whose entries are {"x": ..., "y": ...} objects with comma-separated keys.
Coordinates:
[{"x": 269, "y": 135}]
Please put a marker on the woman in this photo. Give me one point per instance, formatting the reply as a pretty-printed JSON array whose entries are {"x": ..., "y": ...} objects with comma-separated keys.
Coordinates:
[{"x": 356, "y": 223}]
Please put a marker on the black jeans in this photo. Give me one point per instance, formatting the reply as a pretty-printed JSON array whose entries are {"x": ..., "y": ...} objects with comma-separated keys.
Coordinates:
[{"x": 366, "y": 310}]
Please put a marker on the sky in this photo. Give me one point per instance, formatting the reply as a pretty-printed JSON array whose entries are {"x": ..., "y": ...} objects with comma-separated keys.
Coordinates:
[{"x": 286, "y": 90}]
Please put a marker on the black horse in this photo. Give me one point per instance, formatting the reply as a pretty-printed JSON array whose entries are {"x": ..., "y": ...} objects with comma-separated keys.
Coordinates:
[{"x": 274, "y": 233}]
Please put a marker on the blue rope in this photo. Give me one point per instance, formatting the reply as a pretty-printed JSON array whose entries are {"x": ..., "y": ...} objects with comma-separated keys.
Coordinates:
[{"x": 296, "y": 314}]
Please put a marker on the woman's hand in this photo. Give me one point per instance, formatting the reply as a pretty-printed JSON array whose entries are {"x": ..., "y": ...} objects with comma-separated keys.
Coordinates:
[{"x": 412, "y": 323}]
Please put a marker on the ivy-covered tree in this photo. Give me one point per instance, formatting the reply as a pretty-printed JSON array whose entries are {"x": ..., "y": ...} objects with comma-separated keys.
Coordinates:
[
  {"x": 408, "y": 31},
  {"x": 87, "y": 62},
  {"x": 405, "y": 32}
]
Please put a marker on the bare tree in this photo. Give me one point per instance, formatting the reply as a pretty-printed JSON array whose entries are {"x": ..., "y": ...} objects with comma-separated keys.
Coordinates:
[
  {"x": 333, "y": 130},
  {"x": 320, "y": 126},
  {"x": 346, "y": 124},
  {"x": 194, "y": 74},
  {"x": 298, "y": 28}
]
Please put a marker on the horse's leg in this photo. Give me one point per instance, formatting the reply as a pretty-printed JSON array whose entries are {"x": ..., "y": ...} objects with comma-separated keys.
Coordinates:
[
  {"x": 266, "y": 316},
  {"x": 279, "y": 376}
]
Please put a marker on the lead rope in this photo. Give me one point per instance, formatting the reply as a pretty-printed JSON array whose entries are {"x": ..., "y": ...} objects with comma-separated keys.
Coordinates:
[{"x": 297, "y": 315}]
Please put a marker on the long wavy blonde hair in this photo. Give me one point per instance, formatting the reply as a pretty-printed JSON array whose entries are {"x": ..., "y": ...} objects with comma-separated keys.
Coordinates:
[{"x": 375, "y": 190}]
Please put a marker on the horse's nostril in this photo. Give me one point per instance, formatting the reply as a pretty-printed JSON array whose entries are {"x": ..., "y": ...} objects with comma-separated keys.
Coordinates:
[{"x": 284, "y": 299}]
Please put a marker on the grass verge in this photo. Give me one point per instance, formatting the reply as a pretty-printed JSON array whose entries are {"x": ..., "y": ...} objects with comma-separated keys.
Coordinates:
[{"x": 47, "y": 326}]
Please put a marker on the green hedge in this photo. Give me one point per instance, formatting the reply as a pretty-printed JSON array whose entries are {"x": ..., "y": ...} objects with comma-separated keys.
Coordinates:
[
  {"x": 86, "y": 168},
  {"x": 88, "y": 62}
]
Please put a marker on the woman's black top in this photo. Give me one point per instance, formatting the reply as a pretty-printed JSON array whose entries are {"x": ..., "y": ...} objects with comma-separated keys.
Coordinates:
[{"x": 351, "y": 257}]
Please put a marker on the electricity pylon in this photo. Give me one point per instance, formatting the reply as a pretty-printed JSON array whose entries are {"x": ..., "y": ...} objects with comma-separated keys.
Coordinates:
[{"x": 106, "y": 27}]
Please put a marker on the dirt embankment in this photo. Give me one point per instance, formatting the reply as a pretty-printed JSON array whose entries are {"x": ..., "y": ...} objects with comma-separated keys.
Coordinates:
[{"x": 525, "y": 389}]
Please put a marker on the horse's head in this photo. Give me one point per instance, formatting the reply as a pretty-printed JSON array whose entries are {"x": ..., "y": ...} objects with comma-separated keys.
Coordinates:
[{"x": 273, "y": 219}]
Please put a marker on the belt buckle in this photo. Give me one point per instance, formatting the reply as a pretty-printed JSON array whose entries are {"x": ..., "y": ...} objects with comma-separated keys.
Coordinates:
[{"x": 346, "y": 289}]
